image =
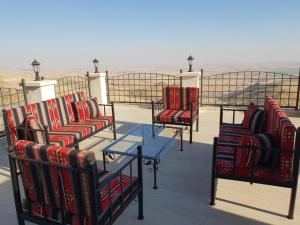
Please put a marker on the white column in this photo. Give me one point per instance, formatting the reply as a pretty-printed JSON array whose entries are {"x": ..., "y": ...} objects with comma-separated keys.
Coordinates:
[
  {"x": 37, "y": 91},
  {"x": 98, "y": 87},
  {"x": 190, "y": 79}
]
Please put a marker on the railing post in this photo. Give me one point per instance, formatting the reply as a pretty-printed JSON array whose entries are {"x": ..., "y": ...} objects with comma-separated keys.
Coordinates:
[
  {"x": 37, "y": 91},
  {"x": 298, "y": 90},
  {"x": 89, "y": 83},
  {"x": 107, "y": 86},
  {"x": 98, "y": 86},
  {"x": 201, "y": 88},
  {"x": 24, "y": 91}
]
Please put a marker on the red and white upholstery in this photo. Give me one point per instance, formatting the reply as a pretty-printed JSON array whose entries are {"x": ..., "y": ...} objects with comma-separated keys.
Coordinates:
[
  {"x": 58, "y": 115},
  {"x": 261, "y": 165},
  {"x": 180, "y": 107},
  {"x": 177, "y": 105},
  {"x": 77, "y": 189}
]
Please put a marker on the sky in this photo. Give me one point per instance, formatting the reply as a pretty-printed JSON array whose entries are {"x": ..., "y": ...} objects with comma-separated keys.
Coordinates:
[{"x": 69, "y": 34}]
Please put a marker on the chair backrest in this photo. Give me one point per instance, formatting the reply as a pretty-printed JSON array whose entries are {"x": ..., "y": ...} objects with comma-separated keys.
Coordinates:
[
  {"x": 63, "y": 181},
  {"x": 180, "y": 98},
  {"x": 52, "y": 113}
]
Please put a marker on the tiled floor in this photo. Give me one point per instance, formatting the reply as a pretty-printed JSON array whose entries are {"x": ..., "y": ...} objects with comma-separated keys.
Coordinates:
[{"x": 184, "y": 183}]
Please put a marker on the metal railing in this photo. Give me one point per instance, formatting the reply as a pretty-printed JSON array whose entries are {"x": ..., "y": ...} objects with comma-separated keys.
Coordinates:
[
  {"x": 9, "y": 98},
  {"x": 139, "y": 87},
  {"x": 72, "y": 84},
  {"x": 244, "y": 87}
]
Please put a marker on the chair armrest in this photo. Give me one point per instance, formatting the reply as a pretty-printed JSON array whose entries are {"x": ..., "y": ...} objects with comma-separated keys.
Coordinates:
[
  {"x": 112, "y": 109},
  {"x": 233, "y": 110},
  {"x": 104, "y": 104}
]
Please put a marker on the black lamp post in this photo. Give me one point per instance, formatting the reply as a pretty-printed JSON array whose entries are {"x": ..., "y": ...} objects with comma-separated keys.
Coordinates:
[
  {"x": 36, "y": 68},
  {"x": 96, "y": 62},
  {"x": 190, "y": 59}
]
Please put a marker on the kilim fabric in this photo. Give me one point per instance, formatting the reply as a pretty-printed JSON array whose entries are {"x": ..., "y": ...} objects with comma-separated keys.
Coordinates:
[
  {"x": 234, "y": 128},
  {"x": 248, "y": 113},
  {"x": 257, "y": 122},
  {"x": 180, "y": 98},
  {"x": 86, "y": 109},
  {"x": 76, "y": 186},
  {"x": 168, "y": 115},
  {"x": 276, "y": 132},
  {"x": 33, "y": 130}
]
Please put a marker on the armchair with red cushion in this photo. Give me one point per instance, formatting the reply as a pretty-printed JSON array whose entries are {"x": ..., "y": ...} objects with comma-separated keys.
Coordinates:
[
  {"x": 264, "y": 148},
  {"x": 63, "y": 185},
  {"x": 179, "y": 106}
]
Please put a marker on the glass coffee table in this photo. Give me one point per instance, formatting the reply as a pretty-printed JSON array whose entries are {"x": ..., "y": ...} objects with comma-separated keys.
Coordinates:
[{"x": 156, "y": 141}]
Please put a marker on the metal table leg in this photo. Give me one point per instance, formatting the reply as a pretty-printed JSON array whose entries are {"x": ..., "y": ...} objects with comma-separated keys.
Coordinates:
[
  {"x": 181, "y": 139},
  {"x": 104, "y": 160},
  {"x": 154, "y": 170}
]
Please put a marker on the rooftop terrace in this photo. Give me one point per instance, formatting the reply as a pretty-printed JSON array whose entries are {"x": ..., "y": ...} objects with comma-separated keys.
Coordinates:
[{"x": 183, "y": 180}]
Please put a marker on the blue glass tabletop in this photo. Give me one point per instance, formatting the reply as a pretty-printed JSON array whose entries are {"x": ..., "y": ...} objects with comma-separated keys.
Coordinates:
[{"x": 154, "y": 147}]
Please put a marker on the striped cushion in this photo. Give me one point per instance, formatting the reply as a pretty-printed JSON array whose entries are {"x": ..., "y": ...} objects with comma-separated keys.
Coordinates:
[
  {"x": 77, "y": 190},
  {"x": 257, "y": 122},
  {"x": 74, "y": 130},
  {"x": 30, "y": 122},
  {"x": 233, "y": 128},
  {"x": 180, "y": 98},
  {"x": 64, "y": 104},
  {"x": 60, "y": 140},
  {"x": 248, "y": 156},
  {"x": 169, "y": 116},
  {"x": 86, "y": 109},
  {"x": 251, "y": 109}
]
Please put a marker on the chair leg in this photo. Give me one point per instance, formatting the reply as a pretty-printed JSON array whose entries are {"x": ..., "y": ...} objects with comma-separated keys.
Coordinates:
[
  {"x": 197, "y": 124},
  {"x": 191, "y": 133},
  {"x": 141, "y": 207},
  {"x": 292, "y": 203},
  {"x": 20, "y": 221},
  {"x": 114, "y": 130},
  {"x": 213, "y": 191},
  {"x": 213, "y": 188}
]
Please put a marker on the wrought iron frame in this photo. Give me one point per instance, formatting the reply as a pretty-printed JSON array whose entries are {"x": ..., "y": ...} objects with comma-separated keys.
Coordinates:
[
  {"x": 226, "y": 84},
  {"x": 141, "y": 82},
  {"x": 23, "y": 215},
  {"x": 71, "y": 84},
  {"x": 292, "y": 185}
]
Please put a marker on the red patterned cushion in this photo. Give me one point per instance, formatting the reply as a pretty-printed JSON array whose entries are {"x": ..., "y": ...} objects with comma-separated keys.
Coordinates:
[
  {"x": 169, "y": 116},
  {"x": 171, "y": 97},
  {"x": 255, "y": 153},
  {"x": 73, "y": 130},
  {"x": 247, "y": 116},
  {"x": 180, "y": 98},
  {"x": 86, "y": 109},
  {"x": 257, "y": 122},
  {"x": 30, "y": 123},
  {"x": 76, "y": 186},
  {"x": 230, "y": 137},
  {"x": 60, "y": 140},
  {"x": 233, "y": 128},
  {"x": 65, "y": 106}
]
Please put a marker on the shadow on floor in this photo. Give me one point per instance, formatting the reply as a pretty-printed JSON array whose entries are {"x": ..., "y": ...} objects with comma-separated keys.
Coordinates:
[{"x": 182, "y": 197}]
